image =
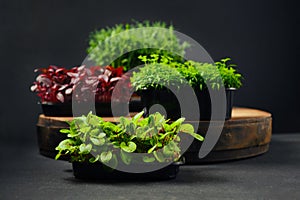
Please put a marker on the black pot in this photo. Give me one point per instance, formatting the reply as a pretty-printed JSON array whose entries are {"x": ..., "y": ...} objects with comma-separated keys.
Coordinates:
[
  {"x": 98, "y": 171},
  {"x": 229, "y": 102},
  {"x": 204, "y": 102},
  {"x": 65, "y": 109},
  {"x": 170, "y": 103},
  {"x": 163, "y": 97},
  {"x": 135, "y": 104}
]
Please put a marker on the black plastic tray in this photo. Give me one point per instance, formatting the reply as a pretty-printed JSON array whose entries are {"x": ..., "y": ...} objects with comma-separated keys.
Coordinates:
[
  {"x": 102, "y": 109},
  {"x": 170, "y": 103},
  {"x": 97, "y": 171}
]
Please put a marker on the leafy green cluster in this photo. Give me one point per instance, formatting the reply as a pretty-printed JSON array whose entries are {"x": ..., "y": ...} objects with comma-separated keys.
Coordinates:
[
  {"x": 105, "y": 48},
  {"x": 92, "y": 139},
  {"x": 163, "y": 70},
  {"x": 230, "y": 76}
]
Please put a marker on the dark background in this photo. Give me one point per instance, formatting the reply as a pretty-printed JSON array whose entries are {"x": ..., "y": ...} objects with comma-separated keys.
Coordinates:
[{"x": 260, "y": 36}]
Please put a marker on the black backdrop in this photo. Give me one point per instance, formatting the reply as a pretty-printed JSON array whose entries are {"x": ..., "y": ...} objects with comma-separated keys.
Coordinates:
[{"x": 261, "y": 37}]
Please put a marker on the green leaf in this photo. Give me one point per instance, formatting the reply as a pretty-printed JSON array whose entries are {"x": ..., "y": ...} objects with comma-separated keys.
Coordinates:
[
  {"x": 124, "y": 122},
  {"x": 131, "y": 147},
  {"x": 159, "y": 156},
  {"x": 94, "y": 132},
  {"x": 159, "y": 119},
  {"x": 94, "y": 159},
  {"x": 148, "y": 159},
  {"x": 137, "y": 117},
  {"x": 109, "y": 127},
  {"x": 132, "y": 137},
  {"x": 187, "y": 128},
  {"x": 126, "y": 157},
  {"x": 105, "y": 157},
  {"x": 130, "y": 128},
  {"x": 167, "y": 127},
  {"x": 85, "y": 129},
  {"x": 224, "y": 60},
  {"x": 168, "y": 151},
  {"x": 92, "y": 119},
  {"x": 64, "y": 130},
  {"x": 197, "y": 136},
  {"x": 177, "y": 123},
  {"x": 74, "y": 134},
  {"x": 175, "y": 147},
  {"x": 85, "y": 149},
  {"x": 65, "y": 144},
  {"x": 159, "y": 144},
  {"x": 164, "y": 135},
  {"x": 147, "y": 130},
  {"x": 97, "y": 141},
  {"x": 57, "y": 156},
  {"x": 113, "y": 163},
  {"x": 151, "y": 121},
  {"x": 152, "y": 149},
  {"x": 101, "y": 135},
  {"x": 176, "y": 138},
  {"x": 143, "y": 58}
]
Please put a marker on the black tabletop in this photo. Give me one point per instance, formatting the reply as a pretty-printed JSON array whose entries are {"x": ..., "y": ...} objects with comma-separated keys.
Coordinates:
[{"x": 25, "y": 174}]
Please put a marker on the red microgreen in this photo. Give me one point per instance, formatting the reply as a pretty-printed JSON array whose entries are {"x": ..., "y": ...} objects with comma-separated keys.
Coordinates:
[{"x": 56, "y": 84}]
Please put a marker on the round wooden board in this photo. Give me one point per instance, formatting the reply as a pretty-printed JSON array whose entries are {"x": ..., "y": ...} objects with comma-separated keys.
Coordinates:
[{"x": 246, "y": 134}]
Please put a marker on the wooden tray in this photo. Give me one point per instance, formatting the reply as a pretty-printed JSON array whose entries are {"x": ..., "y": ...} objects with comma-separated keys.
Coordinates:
[{"x": 246, "y": 134}]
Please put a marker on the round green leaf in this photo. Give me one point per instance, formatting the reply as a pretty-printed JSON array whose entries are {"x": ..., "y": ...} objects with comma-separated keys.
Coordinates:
[
  {"x": 106, "y": 156},
  {"x": 97, "y": 141},
  {"x": 187, "y": 128},
  {"x": 159, "y": 156},
  {"x": 168, "y": 151},
  {"x": 101, "y": 135},
  {"x": 131, "y": 147},
  {"x": 85, "y": 149},
  {"x": 65, "y": 144},
  {"x": 148, "y": 159},
  {"x": 126, "y": 157}
]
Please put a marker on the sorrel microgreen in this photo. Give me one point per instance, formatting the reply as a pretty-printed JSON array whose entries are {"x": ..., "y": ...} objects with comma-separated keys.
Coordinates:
[{"x": 91, "y": 139}]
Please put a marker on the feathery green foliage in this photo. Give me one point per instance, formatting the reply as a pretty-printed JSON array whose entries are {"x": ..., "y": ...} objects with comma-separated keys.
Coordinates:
[
  {"x": 120, "y": 46},
  {"x": 161, "y": 70}
]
